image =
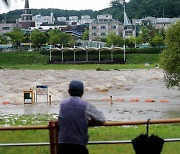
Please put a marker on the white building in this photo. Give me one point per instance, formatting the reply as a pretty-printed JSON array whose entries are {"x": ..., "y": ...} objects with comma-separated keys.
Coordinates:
[
  {"x": 158, "y": 23},
  {"x": 63, "y": 19},
  {"x": 38, "y": 19},
  {"x": 86, "y": 19},
  {"x": 104, "y": 25},
  {"x": 7, "y": 27},
  {"x": 73, "y": 20}
]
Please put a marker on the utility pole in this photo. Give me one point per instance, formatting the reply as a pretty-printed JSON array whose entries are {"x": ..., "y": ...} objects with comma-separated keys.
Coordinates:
[{"x": 30, "y": 48}]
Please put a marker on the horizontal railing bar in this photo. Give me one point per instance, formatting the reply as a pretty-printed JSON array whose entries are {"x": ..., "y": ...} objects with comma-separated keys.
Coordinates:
[
  {"x": 172, "y": 140},
  {"x": 90, "y": 143},
  {"x": 24, "y": 144},
  {"x": 159, "y": 121},
  {"x": 110, "y": 142},
  {"x": 23, "y": 127},
  {"x": 128, "y": 141}
]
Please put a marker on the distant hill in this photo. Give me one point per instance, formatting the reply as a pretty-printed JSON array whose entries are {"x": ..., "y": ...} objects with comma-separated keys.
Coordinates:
[{"x": 134, "y": 9}]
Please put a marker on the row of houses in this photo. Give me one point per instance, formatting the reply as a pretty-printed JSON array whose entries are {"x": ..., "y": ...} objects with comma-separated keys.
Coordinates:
[{"x": 98, "y": 28}]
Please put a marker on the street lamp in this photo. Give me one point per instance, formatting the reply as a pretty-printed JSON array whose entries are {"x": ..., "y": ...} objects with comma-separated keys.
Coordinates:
[
  {"x": 135, "y": 37},
  {"x": 50, "y": 57},
  {"x": 124, "y": 47},
  {"x": 30, "y": 48}
]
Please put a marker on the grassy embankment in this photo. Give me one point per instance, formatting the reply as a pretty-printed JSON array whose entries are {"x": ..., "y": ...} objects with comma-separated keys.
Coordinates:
[
  {"x": 95, "y": 133},
  {"x": 35, "y": 60}
]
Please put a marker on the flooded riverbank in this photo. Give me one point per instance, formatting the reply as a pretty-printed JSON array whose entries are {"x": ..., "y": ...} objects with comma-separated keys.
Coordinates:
[{"x": 125, "y": 86}]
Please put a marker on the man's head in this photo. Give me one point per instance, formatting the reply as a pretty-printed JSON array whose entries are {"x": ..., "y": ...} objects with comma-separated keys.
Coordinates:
[{"x": 76, "y": 88}]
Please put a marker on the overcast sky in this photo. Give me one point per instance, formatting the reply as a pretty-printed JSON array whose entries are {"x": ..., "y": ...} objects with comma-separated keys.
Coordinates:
[{"x": 60, "y": 4}]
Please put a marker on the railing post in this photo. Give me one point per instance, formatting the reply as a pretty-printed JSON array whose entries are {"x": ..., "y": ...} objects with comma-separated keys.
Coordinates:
[
  {"x": 53, "y": 137},
  {"x": 56, "y": 133}
]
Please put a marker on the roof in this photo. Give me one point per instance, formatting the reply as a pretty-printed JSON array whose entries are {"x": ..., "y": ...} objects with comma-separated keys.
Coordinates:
[
  {"x": 26, "y": 4},
  {"x": 163, "y": 20}
]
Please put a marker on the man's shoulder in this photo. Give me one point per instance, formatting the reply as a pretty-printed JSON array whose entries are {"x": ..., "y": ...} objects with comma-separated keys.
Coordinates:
[{"x": 74, "y": 100}]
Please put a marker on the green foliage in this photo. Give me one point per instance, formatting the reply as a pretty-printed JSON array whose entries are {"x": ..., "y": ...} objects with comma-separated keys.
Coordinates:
[
  {"x": 113, "y": 39},
  {"x": 85, "y": 35},
  {"x": 14, "y": 58},
  {"x": 157, "y": 41},
  {"x": 38, "y": 38},
  {"x": 142, "y": 59},
  {"x": 3, "y": 39},
  {"x": 145, "y": 34},
  {"x": 60, "y": 38},
  {"x": 130, "y": 42},
  {"x": 16, "y": 37},
  {"x": 144, "y": 50},
  {"x": 170, "y": 58}
]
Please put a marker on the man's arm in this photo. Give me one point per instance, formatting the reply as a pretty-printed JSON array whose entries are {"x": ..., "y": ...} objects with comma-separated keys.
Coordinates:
[{"x": 93, "y": 115}]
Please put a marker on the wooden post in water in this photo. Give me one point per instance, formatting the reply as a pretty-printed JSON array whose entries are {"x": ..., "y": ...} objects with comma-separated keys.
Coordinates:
[
  {"x": 111, "y": 103},
  {"x": 49, "y": 99}
]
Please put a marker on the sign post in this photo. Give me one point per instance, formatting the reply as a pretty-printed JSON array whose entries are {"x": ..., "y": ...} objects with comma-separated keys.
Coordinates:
[
  {"x": 41, "y": 90},
  {"x": 28, "y": 97}
]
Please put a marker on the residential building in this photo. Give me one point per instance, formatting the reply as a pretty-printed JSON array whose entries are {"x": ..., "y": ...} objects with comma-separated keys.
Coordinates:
[
  {"x": 7, "y": 27},
  {"x": 39, "y": 20},
  {"x": 158, "y": 23},
  {"x": 61, "y": 19},
  {"x": 73, "y": 20},
  {"x": 86, "y": 19},
  {"x": 104, "y": 25},
  {"x": 129, "y": 30}
]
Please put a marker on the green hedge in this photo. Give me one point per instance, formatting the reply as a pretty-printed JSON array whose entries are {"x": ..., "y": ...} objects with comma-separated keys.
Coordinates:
[{"x": 144, "y": 50}]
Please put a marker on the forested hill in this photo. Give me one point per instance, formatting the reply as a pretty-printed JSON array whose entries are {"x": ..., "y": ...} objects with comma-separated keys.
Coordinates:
[{"x": 134, "y": 9}]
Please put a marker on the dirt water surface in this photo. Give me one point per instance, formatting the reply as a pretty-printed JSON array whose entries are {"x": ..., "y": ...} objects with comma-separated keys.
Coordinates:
[{"x": 137, "y": 94}]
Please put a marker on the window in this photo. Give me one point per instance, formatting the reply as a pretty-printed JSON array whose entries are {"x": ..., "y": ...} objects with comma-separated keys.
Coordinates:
[
  {"x": 103, "y": 27},
  {"x": 94, "y": 34},
  {"x": 113, "y": 27},
  {"x": 6, "y": 28},
  {"x": 103, "y": 34},
  {"x": 128, "y": 33},
  {"x": 93, "y": 27}
]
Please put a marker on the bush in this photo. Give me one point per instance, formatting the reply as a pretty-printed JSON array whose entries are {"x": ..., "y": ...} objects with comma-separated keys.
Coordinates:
[{"x": 144, "y": 50}]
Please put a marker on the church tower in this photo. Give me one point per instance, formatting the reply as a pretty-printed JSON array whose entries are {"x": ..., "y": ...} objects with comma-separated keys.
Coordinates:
[{"x": 25, "y": 21}]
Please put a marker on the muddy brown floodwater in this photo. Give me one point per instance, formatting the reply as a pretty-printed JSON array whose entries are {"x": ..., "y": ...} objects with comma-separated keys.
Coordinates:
[{"x": 125, "y": 86}]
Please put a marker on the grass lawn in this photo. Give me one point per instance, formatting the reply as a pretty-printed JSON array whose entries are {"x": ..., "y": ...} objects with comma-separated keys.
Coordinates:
[
  {"x": 95, "y": 134},
  {"x": 78, "y": 66}
]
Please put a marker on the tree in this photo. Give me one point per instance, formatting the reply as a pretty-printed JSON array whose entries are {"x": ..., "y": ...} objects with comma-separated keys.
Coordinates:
[
  {"x": 157, "y": 41},
  {"x": 16, "y": 37},
  {"x": 38, "y": 38},
  {"x": 57, "y": 37},
  {"x": 85, "y": 35},
  {"x": 130, "y": 42},
  {"x": 3, "y": 39},
  {"x": 113, "y": 39},
  {"x": 170, "y": 58},
  {"x": 145, "y": 34}
]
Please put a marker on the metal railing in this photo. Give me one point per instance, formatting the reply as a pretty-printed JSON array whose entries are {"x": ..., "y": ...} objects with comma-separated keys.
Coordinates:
[{"x": 53, "y": 132}]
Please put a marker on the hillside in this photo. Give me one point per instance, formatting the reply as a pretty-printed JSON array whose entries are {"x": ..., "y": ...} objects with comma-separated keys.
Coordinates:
[{"x": 134, "y": 9}]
